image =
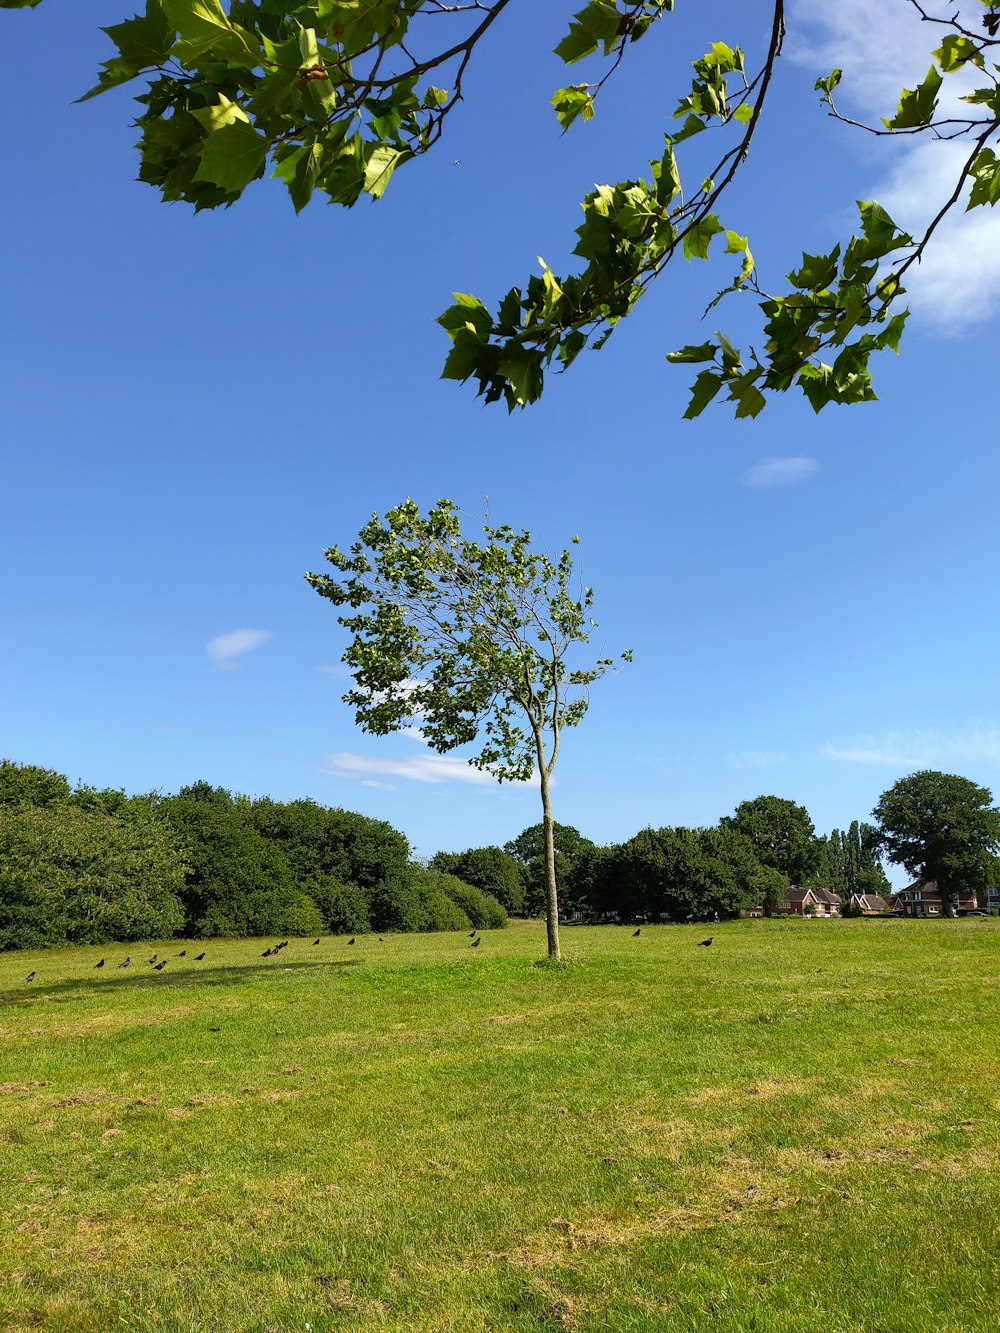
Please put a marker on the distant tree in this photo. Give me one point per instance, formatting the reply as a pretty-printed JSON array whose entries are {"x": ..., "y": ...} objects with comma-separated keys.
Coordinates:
[
  {"x": 475, "y": 907},
  {"x": 317, "y": 841},
  {"x": 467, "y": 641},
  {"x": 28, "y": 784},
  {"x": 238, "y": 882},
  {"x": 942, "y": 829},
  {"x": 440, "y": 909},
  {"x": 343, "y": 907},
  {"x": 849, "y": 862},
  {"x": 783, "y": 837},
  {"x": 678, "y": 873},
  {"x": 490, "y": 869},
  {"x": 528, "y": 849},
  {"x": 70, "y": 875}
]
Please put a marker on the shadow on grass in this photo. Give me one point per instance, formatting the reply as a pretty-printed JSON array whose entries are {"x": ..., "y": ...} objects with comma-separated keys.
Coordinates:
[{"x": 194, "y": 974}]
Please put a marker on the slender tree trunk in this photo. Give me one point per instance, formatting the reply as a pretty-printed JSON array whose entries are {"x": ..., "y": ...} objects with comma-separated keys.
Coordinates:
[{"x": 551, "y": 893}]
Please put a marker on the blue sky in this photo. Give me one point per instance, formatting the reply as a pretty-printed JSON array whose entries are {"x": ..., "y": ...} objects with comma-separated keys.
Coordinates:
[{"x": 193, "y": 408}]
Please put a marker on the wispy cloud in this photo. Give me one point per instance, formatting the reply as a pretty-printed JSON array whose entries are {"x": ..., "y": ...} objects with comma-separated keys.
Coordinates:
[
  {"x": 224, "y": 650},
  {"x": 754, "y": 758},
  {"x": 883, "y": 48},
  {"x": 780, "y": 471},
  {"x": 421, "y": 767},
  {"x": 920, "y": 749}
]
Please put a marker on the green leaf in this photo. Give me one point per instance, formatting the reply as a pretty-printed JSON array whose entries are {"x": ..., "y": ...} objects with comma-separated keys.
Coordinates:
[
  {"x": 223, "y": 113},
  {"x": 382, "y": 162},
  {"x": 467, "y": 312},
  {"x": 828, "y": 83},
  {"x": 232, "y": 157},
  {"x": 202, "y": 26},
  {"x": 299, "y": 170},
  {"x": 693, "y": 353},
  {"x": 699, "y": 237},
  {"x": 666, "y": 175},
  {"x": 143, "y": 41},
  {"x": 573, "y": 102},
  {"x": 692, "y": 125},
  {"x": 916, "y": 105},
  {"x": 955, "y": 52},
  {"x": 985, "y": 173},
  {"x": 750, "y": 402},
  {"x": 740, "y": 245},
  {"x": 522, "y": 369},
  {"x": 704, "y": 389},
  {"x": 817, "y": 272},
  {"x": 598, "y": 24},
  {"x": 743, "y": 113}
]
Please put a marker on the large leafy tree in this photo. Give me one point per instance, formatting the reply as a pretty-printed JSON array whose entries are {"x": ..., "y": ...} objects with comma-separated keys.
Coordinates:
[
  {"x": 469, "y": 641},
  {"x": 942, "y": 829},
  {"x": 528, "y": 849},
  {"x": 680, "y": 873},
  {"x": 332, "y": 96},
  {"x": 783, "y": 837}
]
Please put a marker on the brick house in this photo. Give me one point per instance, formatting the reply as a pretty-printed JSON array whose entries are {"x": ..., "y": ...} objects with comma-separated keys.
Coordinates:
[
  {"x": 920, "y": 899},
  {"x": 871, "y": 904},
  {"x": 808, "y": 902}
]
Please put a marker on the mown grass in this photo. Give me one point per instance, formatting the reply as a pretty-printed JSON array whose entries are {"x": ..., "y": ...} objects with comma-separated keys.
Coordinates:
[{"x": 795, "y": 1129}]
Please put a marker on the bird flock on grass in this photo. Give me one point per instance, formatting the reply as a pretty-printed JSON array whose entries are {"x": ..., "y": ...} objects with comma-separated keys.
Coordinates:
[{"x": 158, "y": 964}]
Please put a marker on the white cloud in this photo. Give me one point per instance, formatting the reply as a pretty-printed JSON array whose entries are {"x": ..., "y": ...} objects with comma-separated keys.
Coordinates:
[
  {"x": 780, "y": 471},
  {"x": 422, "y": 767},
  {"x": 957, "y": 282},
  {"x": 883, "y": 48},
  {"x": 920, "y": 749},
  {"x": 226, "y": 648}
]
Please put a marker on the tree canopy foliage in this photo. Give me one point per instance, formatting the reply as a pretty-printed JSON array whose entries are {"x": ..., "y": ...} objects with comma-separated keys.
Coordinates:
[
  {"x": 943, "y": 829},
  {"x": 88, "y": 866},
  {"x": 333, "y": 96},
  {"x": 783, "y": 837}
]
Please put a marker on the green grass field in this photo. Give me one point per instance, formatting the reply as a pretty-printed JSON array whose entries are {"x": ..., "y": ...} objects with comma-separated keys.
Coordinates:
[{"x": 795, "y": 1129}]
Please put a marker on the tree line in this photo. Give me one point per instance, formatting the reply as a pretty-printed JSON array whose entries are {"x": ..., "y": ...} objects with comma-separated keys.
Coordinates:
[
  {"x": 749, "y": 858},
  {"x": 87, "y": 866}
]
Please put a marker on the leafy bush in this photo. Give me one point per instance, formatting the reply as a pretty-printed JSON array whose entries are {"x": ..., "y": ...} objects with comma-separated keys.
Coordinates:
[
  {"x": 75, "y": 876},
  {"x": 343, "y": 907},
  {"x": 482, "y": 909}
]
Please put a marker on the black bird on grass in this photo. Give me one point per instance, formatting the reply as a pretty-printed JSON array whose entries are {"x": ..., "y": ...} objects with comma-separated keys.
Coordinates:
[
  {"x": 472, "y": 934},
  {"x": 267, "y": 953},
  {"x": 100, "y": 964},
  {"x": 706, "y": 943},
  {"x": 637, "y": 933},
  {"x": 160, "y": 966},
  {"x": 31, "y": 976},
  {"x": 182, "y": 954},
  {"x": 315, "y": 941},
  {"x": 351, "y": 940},
  {"x": 198, "y": 957},
  {"x": 151, "y": 960},
  {"x": 475, "y": 944},
  {"x": 127, "y": 963}
]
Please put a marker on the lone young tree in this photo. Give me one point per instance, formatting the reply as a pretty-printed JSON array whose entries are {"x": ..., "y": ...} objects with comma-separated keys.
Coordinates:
[
  {"x": 469, "y": 642},
  {"x": 944, "y": 830}
]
